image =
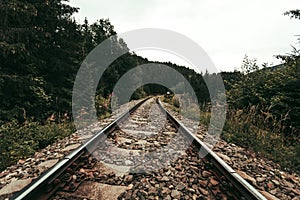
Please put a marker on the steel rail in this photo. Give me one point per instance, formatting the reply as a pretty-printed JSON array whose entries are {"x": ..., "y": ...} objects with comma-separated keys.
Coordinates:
[
  {"x": 44, "y": 186},
  {"x": 241, "y": 188}
]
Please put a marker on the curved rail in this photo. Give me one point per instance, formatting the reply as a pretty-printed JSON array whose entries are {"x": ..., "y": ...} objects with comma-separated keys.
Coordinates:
[
  {"x": 44, "y": 186},
  {"x": 240, "y": 188}
]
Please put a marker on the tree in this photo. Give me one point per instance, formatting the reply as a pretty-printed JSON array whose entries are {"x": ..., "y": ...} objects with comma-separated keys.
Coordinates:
[
  {"x": 22, "y": 89},
  {"x": 293, "y": 13},
  {"x": 249, "y": 65},
  {"x": 273, "y": 89},
  {"x": 39, "y": 55}
]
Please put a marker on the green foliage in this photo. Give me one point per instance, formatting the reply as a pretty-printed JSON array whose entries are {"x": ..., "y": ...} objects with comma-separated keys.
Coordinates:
[
  {"x": 260, "y": 132},
  {"x": 175, "y": 102},
  {"x": 273, "y": 90},
  {"x": 249, "y": 65},
  {"x": 168, "y": 98},
  {"x": 37, "y": 58},
  {"x": 264, "y": 108},
  {"x": 19, "y": 141},
  {"x": 42, "y": 47},
  {"x": 171, "y": 99},
  {"x": 102, "y": 105},
  {"x": 205, "y": 118},
  {"x": 263, "y": 133}
]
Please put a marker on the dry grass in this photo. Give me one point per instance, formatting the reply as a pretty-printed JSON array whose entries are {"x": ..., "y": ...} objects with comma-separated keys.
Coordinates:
[
  {"x": 262, "y": 132},
  {"x": 259, "y": 131}
]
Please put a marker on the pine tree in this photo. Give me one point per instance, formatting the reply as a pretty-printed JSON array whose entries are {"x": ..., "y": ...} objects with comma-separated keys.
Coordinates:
[{"x": 39, "y": 57}]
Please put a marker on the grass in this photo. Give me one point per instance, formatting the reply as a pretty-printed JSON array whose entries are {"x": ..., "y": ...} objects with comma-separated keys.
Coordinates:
[
  {"x": 259, "y": 131},
  {"x": 187, "y": 110},
  {"x": 250, "y": 128},
  {"x": 18, "y": 141}
]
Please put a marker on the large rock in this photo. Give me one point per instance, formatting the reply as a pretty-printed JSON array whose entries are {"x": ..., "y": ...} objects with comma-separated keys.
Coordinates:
[
  {"x": 48, "y": 163},
  {"x": 71, "y": 147},
  {"x": 247, "y": 177},
  {"x": 98, "y": 191},
  {"x": 268, "y": 195},
  {"x": 14, "y": 186},
  {"x": 175, "y": 194}
]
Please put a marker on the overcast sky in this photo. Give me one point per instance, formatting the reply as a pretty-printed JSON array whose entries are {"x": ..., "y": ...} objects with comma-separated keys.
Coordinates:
[{"x": 225, "y": 29}]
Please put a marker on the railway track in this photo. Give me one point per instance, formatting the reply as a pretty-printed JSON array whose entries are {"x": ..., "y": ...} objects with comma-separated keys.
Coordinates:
[{"x": 141, "y": 155}]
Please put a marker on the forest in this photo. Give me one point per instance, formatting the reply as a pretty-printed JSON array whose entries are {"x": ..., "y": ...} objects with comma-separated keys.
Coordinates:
[{"x": 42, "y": 47}]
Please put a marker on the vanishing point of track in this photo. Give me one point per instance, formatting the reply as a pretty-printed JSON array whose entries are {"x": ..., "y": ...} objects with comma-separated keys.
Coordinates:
[{"x": 135, "y": 157}]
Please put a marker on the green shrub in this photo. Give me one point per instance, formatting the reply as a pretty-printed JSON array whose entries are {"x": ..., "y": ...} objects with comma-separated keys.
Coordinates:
[
  {"x": 263, "y": 133},
  {"x": 20, "y": 141},
  {"x": 205, "y": 118},
  {"x": 175, "y": 102}
]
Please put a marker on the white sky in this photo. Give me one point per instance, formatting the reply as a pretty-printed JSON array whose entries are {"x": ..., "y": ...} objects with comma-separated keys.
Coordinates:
[{"x": 225, "y": 29}]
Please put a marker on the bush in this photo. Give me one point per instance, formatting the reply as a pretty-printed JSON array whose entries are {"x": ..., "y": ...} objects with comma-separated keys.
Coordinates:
[
  {"x": 20, "y": 141},
  {"x": 175, "y": 102},
  {"x": 263, "y": 133}
]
